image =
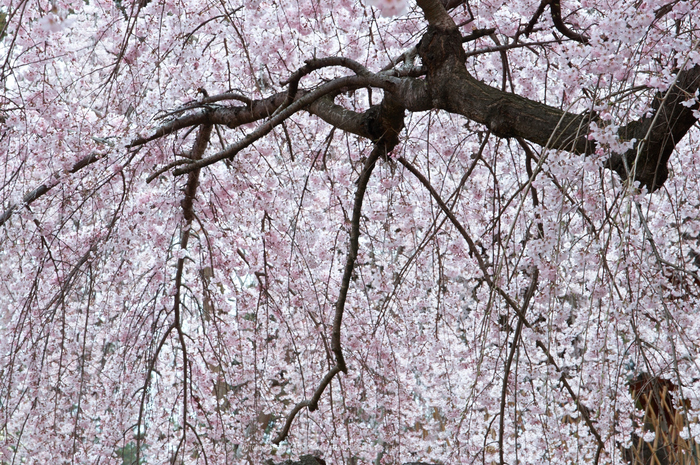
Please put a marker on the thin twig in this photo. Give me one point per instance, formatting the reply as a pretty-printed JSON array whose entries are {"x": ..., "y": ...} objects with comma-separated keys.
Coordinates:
[
  {"x": 166, "y": 168},
  {"x": 473, "y": 251},
  {"x": 509, "y": 47}
]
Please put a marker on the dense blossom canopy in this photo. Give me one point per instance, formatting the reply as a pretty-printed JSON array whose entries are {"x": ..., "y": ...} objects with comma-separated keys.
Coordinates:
[{"x": 374, "y": 232}]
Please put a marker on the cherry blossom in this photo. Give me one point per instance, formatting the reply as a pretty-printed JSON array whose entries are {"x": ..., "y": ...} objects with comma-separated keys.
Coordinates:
[{"x": 358, "y": 231}]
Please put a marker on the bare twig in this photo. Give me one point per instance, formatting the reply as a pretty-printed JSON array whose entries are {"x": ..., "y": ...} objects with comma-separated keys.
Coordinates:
[
  {"x": 473, "y": 251},
  {"x": 583, "y": 410},
  {"x": 501, "y": 48}
]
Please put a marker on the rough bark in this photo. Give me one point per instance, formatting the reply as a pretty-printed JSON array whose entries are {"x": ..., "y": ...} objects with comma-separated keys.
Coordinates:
[{"x": 450, "y": 87}]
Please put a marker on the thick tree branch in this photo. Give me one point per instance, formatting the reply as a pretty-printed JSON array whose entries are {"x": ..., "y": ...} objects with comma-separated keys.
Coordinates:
[
  {"x": 531, "y": 25},
  {"x": 257, "y": 110},
  {"x": 555, "y": 6},
  {"x": 436, "y": 14},
  {"x": 658, "y": 134},
  {"x": 450, "y": 87},
  {"x": 278, "y": 118},
  {"x": 453, "y": 89},
  {"x": 452, "y": 4},
  {"x": 318, "y": 63},
  {"x": 200, "y": 145}
]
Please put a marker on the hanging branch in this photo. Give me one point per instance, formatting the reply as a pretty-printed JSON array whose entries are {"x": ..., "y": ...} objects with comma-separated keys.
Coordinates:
[
  {"x": 509, "y": 300},
  {"x": 386, "y": 122},
  {"x": 312, "y": 404},
  {"x": 555, "y": 6},
  {"x": 187, "y": 203},
  {"x": 379, "y": 150}
]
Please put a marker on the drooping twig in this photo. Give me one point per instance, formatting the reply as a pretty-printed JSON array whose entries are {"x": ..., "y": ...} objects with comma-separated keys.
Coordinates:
[
  {"x": 456, "y": 223},
  {"x": 509, "y": 300},
  {"x": 583, "y": 410},
  {"x": 144, "y": 389}
]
